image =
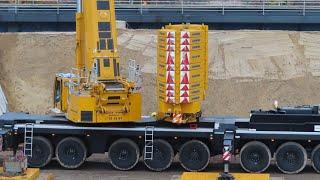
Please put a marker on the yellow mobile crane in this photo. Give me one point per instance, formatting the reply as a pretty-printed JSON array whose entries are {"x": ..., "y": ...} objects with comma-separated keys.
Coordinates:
[{"x": 95, "y": 92}]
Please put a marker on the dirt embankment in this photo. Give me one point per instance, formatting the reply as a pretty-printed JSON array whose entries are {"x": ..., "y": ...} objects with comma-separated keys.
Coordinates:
[{"x": 247, "y": 69}]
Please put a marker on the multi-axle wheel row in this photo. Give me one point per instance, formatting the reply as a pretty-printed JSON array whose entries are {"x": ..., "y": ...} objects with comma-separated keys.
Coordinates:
[
  {"x": 194, "y": 155},
  {"x": 123, "y": 153},
  {"x": 290, "y": 157}
]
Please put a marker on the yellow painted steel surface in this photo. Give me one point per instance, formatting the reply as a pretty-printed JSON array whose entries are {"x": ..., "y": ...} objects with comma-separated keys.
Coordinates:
[
  {"x": 31, "y": 174},
  {"x": 182, "y": 71},
  {"x": 107, "y": 110},
  {"x": 95, "y": 92},
  {"x": 213, "y": 176},
  {"x": 61, "y": 99},
  {"x": 97, "y": 38}
]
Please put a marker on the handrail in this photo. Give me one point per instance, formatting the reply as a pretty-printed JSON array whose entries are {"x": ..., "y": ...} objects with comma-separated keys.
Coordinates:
[{"x": 224, "y": 5}]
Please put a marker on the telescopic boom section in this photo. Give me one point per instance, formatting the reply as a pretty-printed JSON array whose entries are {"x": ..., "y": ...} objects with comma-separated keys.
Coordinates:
[
  {"x": 97, "y": 39},
  {"x": 96, "y": 93}
]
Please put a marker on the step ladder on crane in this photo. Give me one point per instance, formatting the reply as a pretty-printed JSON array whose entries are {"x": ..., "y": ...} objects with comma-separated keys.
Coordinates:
[
  {"x": 28, "y": 140},
  {"x": 148, "y": 142}
]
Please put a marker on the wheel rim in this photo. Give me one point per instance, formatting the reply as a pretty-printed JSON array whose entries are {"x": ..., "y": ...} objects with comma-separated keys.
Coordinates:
[
  {"x": 41, "y": 152},
  {"x": 291, "y": 158},
  {"x": 158, "y": 154},
  {"x": 37, "y": 152},
  {"x": 124, "y": 154},
  {"x": 255, "y": 157},
  {"x": 290, "y": 161},
  {"x": 71, "y": 153},
  {"x": 123, "y": 158},
  {"x": 315, "y": 158},
  {"x": 194, "y": 155},
  {"x": 162, "y": 156},
  {"x": 318, "y": 160}
]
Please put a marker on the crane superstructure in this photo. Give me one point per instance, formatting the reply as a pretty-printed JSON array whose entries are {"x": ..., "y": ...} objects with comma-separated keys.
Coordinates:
[{"x": 95, "y": 92}]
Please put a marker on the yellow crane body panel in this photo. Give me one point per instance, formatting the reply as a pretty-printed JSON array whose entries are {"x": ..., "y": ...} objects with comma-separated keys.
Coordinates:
[
  {"x": 97, "y": 39},
  {"x": 94, "y": 92},
  {"x": 212, "y": 175},
  {"x": 182, "y": 71},
  {"x": 110, "y": 108}
]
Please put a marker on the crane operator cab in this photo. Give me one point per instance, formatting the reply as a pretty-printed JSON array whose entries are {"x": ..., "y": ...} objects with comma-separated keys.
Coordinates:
[{"x": 95, "y": 92}]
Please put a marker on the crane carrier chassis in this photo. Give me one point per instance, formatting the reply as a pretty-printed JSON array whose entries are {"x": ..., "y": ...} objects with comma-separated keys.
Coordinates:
[{"x": 289, "y": 135}]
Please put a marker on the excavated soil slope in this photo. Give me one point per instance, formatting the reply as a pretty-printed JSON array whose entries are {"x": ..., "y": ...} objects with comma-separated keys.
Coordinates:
[{"x": 248, "y": 69}]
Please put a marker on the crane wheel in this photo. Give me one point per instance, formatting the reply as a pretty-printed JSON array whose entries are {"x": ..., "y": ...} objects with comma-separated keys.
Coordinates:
[
  {"x": 71, "y": 152},
  {"x": 291, "y": 158},
  {"x": 162, "y": 156},
  {"x": 124, "y": 154},
  {"x": 255, "y": 157},
  {"x": 42, "y": 152},
  {"x": 315, "y": 158},
  {"x": 194, "y": 155},
  {"x": 89, "y": 154}
]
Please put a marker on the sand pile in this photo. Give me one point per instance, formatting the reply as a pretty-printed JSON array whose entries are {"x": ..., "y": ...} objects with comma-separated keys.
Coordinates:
[
  {"x": 248, "y": 69},
  {"x": 28, "y": 63}
]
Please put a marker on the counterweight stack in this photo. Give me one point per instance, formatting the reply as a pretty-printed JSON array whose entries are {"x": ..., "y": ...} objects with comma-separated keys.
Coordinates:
[{"x": 182, "y": 71}]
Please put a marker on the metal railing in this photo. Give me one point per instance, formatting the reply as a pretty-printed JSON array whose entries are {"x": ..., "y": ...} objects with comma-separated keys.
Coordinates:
[{"x": 165, "y": 5}]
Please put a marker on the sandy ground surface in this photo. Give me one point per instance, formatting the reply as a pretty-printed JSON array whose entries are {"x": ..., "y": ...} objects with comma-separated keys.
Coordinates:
[{"x": 247, "y": 69}]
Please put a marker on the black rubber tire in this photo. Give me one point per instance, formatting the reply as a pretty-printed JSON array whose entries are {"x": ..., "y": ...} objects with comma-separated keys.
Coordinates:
[
  {"x": 255, "y": 157},
  {"x": 315, "y": 158},
  {"x": 89, "y": 154},
  {"x": 163, "y": 155},
  {"x": 124, "y": 154},
  {"x": 42, "y": 152},
  {"x": 71, "y": 152},
  {"x": 194, "y": 155},
  {"x": 291, "y": 158}
]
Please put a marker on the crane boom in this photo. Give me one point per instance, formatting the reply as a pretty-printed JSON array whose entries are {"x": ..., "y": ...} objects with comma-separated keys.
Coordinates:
[
  {"x": 96, "y": 49},
  {"x": 96, "y": 93}
]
